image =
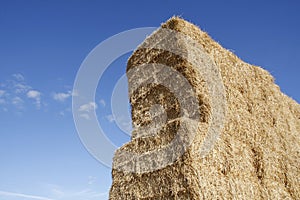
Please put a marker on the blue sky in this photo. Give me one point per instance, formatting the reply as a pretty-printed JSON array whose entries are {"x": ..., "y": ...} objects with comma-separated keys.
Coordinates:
[{"x": 42, "y": 45}]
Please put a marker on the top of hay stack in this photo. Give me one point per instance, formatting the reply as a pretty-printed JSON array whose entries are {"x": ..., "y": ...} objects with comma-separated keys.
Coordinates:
[{"x": 257, "y": 155}]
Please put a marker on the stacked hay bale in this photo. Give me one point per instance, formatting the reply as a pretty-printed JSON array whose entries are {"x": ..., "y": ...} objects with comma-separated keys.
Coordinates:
[{"x": 257, "y": 155}]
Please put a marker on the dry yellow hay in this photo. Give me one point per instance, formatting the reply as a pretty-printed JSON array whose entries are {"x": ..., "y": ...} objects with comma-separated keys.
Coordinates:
[{"x": 258, "y": 153}]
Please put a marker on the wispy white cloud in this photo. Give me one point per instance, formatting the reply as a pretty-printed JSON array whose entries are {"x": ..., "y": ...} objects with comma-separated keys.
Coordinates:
[
  {"x": 85, "y": 116},
  {"x": 110, "y": 118},
  {"x": 17, "y": 102},
  {"x": 56, "y": 192},
  {"x": 21, "y": 195},
  {"x": 62, "y": 113},
  {"x": 18, "y": 77},
  {"x": 19, "y": 84},
  {"x": 21, "y": 88},
  {"x": 88, "y": 194},
  {"x": 62, "y": 96},
  {"x": 15, "y": 90},
  {"x": 91, "y": 106},
  {"x": 16, "y": 84},
  {"x": 36, "y": 95},
  {"x": 102, "y": 102}
]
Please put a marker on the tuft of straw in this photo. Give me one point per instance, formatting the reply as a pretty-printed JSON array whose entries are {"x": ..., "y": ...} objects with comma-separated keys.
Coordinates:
[{"x": 258, "y": 153}]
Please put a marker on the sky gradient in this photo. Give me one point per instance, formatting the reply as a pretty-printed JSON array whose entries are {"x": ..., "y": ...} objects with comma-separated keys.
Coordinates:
[{"x": 42, "y": 45}]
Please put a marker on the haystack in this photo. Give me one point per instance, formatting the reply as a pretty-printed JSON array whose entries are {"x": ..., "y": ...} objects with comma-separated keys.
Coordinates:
[{"x": 241, "y": 140}]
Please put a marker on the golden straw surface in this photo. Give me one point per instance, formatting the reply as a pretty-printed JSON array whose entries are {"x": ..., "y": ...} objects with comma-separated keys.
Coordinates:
[{"x": 258, "y": 153}]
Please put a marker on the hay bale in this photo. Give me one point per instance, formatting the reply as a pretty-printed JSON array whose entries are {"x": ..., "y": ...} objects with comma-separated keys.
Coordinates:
[{"x": 257, "y": 155}]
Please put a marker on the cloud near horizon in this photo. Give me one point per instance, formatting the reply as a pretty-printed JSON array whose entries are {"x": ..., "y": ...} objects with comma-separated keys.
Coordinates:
[
  {"x": 59, "y": 194},
  {"x": 21, "y": 195}
]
